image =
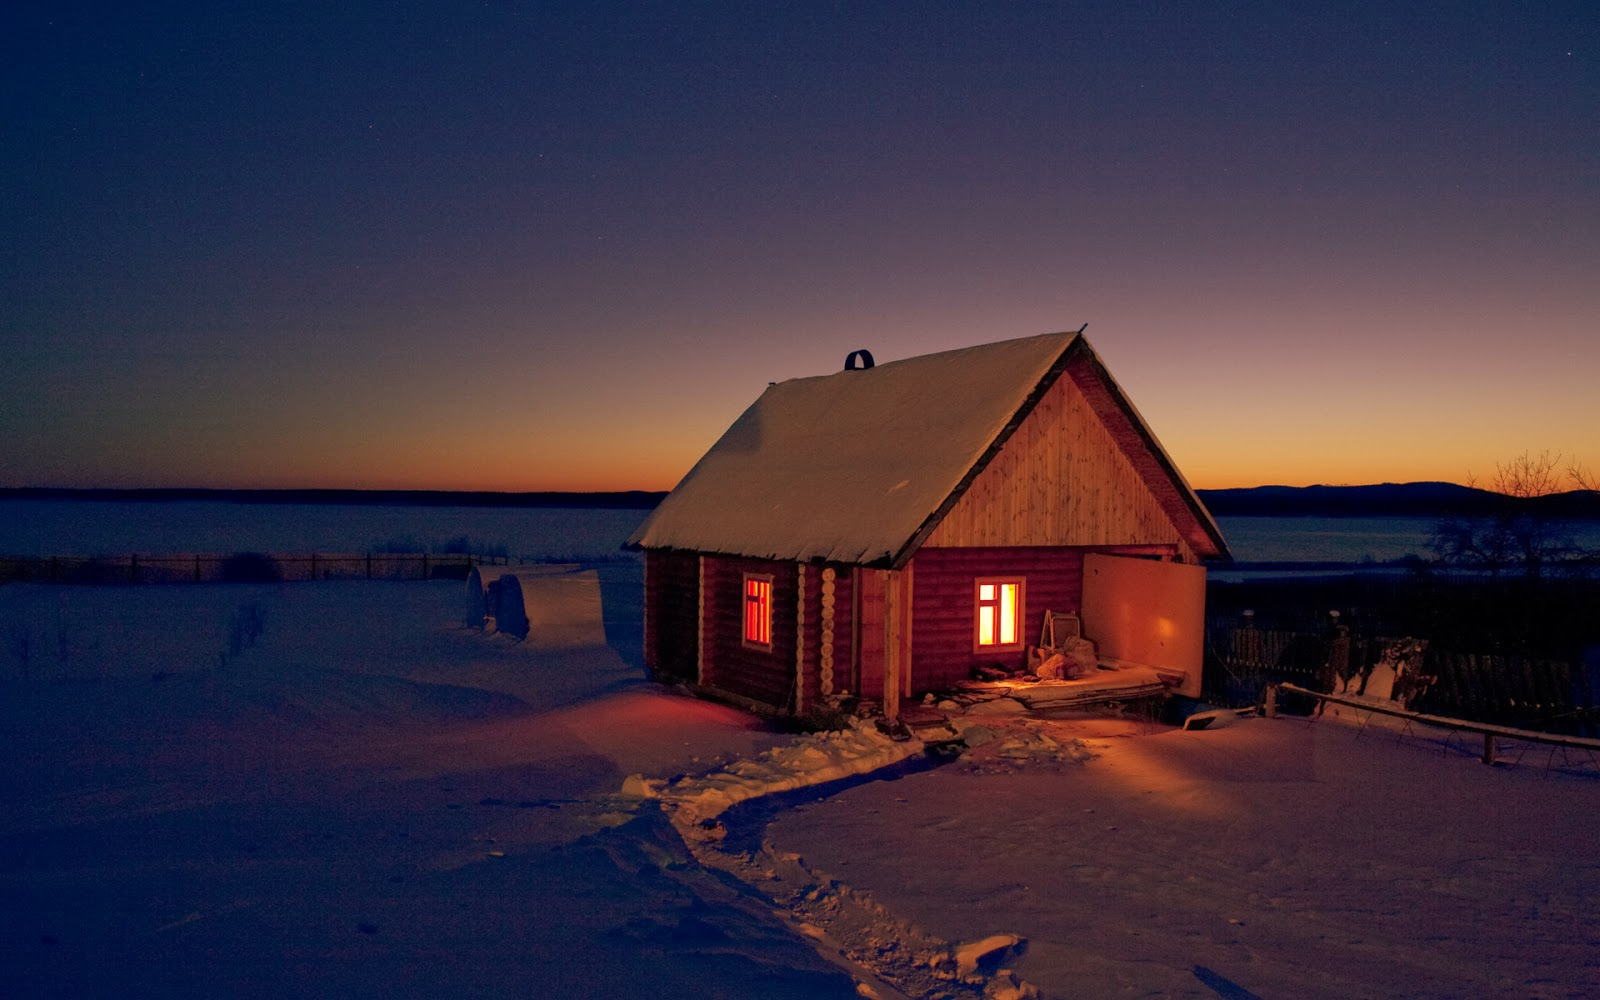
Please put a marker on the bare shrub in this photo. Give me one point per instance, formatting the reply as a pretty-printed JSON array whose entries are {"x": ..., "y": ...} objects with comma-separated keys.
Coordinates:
[{"x": 1518, "y": 533}]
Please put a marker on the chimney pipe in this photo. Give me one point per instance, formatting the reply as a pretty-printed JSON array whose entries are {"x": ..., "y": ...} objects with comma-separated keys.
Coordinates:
[{"x": 865, "y": 357}]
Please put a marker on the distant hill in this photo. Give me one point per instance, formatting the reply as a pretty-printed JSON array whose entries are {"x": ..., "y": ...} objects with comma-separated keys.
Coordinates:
[
  {"x": 1387, "y": 499},
  {"x": 1380, "y": 500},
  {"x": 640, "y": 499}
]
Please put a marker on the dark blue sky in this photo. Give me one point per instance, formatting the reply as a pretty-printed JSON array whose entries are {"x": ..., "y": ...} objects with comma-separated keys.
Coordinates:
[{"x": 562, "y": 246}]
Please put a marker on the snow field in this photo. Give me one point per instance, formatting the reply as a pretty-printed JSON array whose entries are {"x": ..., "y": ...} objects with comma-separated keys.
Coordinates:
[
  {"x": 1275, "y": 857},
  {"x": 368, "y": 799}
]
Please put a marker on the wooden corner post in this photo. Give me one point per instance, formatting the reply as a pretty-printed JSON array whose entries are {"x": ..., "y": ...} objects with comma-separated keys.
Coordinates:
[{"x": 893, "y": 633}]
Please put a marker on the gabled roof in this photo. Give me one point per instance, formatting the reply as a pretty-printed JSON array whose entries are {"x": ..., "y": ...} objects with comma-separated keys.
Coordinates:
[{"x": 858, "y": 466}]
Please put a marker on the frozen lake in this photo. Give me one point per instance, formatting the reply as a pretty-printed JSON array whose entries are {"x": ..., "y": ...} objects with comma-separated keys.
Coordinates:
[
  {"x": 110, "y": 528},
  {"x": 1326, "y": 539}
]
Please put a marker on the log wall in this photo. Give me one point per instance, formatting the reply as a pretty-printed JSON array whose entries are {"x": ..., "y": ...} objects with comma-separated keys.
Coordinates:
[
  {"x": 943, "y": 609},
  {"x": 1060, "y": 479},
  {"x": 842, "y": 677},
  {"x": 671, "y": 620},
  {"x": 867, "y": 664},
  {"x": 763, "y": 675}
]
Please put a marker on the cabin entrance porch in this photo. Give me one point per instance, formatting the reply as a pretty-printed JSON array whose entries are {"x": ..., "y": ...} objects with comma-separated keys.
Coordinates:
[{"x": 1144, "y": 616}]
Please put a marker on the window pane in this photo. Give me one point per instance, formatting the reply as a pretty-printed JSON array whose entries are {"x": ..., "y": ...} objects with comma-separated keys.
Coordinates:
[
  {"x": 1008, "y": 614},
  {"x": 985, "y": 591},
  {"x": 758, "y": 611},
  {"x": 986, "y": 625}
]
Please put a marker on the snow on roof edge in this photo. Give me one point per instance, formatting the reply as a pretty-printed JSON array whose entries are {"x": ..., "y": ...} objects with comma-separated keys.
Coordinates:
[{"x": 943, "y": 412}]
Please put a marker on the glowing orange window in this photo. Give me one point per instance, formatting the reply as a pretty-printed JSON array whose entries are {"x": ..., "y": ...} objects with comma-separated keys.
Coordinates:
[
  {"x": 758, "y": 610},
  {"x": 999, "y": 611}
]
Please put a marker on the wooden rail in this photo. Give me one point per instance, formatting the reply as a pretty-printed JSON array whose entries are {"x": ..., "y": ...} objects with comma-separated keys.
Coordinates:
[{"x": 1490, "y": 732}]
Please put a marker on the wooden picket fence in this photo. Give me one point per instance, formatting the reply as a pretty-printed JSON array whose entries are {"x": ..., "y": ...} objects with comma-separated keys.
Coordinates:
[{"x": 1546, "y": 694}]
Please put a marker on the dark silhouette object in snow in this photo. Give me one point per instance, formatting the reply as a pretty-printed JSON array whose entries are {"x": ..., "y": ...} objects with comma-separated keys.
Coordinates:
[
  {"x": 251, "y": 567},
  {"x": 510, "y": 613}
]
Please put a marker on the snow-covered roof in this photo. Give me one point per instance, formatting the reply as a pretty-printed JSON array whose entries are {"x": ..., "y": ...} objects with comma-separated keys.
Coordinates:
[{"x": 850, "y": 467}]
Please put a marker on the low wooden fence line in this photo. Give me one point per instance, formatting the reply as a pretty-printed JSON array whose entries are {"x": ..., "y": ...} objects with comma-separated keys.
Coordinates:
[
  {"x": 1497, "y": 688},
  {"x": 242, "y": 567},
  {"x": 1490, "y": 732}
]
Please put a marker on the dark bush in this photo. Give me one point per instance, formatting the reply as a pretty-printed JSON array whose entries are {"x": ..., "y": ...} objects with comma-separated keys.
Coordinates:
[
  {"x": 251, "y": 567},
  {"x": 94, "y": 572}
]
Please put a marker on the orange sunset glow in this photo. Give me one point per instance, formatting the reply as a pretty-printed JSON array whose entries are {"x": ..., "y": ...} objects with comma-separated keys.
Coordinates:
[{"x": 1313, "y": 249}]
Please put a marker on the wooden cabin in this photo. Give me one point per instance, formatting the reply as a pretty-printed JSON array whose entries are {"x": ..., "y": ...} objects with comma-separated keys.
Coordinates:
[{"x": 881, "y": 531}]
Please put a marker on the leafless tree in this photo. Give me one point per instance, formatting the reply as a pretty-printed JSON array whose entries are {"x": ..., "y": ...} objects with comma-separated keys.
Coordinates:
[
  {"x": 1582, "y": 478},
  {"x": 1518, "y": 532}
]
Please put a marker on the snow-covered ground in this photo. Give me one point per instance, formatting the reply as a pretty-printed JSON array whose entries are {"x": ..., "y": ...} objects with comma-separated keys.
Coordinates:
[
  {"x": 369, "y": 800},
  {"x": 335, "y": 789},
  {"x": 1285, "y": 857}
]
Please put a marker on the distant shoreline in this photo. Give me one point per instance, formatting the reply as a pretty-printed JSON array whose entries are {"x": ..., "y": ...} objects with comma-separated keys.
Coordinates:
[
  {"x": 1380, "y": 500},
  {"x": 1393, "y": 500}
]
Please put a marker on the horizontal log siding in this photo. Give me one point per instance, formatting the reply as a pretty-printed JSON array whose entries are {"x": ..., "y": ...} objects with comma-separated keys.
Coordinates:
[
  {"x": 765, "y": 676},
  {"x": 1060, "y": 479},
  {"x": 672, "y": 612},
  {"x": 867, "y": 633},
  {"x": 944, "y": 613},
  {"x": 844, "y": 629}
]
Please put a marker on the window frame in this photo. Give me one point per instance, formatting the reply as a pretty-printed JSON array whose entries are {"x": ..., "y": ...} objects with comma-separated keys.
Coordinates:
[
  {"x": 980, "y": 605},
  {"x": 762, "y": 598}
]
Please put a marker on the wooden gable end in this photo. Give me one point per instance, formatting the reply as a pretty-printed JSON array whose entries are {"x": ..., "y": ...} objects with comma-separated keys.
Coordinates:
[{"x": 1061, "y": 478}]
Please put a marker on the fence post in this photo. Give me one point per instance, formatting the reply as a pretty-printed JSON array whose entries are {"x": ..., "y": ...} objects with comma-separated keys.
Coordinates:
[
  {"x": 1271, "y": 707},
  {"x": 313, "y": 566},
  {"x": 1488, "y": 748}
]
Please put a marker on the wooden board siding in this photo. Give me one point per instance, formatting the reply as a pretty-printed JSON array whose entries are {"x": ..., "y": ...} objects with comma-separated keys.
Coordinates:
[
  {"x": 943, "y": 612},
  {"x": 1138, "y": 443},
  {"x": 766, "y": 676},
  {"x": 1061, "y": 479},
  {"x": 672, "y": 586}
]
